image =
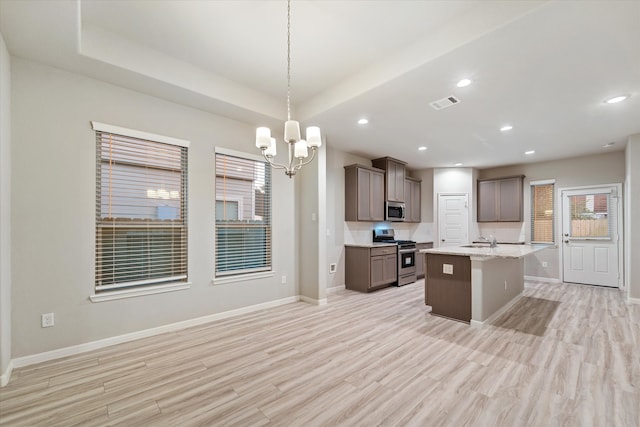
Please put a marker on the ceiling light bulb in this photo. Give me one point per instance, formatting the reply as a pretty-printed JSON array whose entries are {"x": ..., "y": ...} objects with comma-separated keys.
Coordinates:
[
  {"x": 464, "y": 83},
  {"x": 608, "y": 144},
  {"x": 616, "y": 99},
  {"x": 458, "y": 164},
  {"x": 528, "y": 153},
  {"x": 422, "y": 148},
  {"x": 506, "y": 128},
  {"x": 363, "y": 121}
]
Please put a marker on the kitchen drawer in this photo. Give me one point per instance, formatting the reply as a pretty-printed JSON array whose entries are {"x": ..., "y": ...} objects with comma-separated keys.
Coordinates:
[{"x": 383, "y": 251}]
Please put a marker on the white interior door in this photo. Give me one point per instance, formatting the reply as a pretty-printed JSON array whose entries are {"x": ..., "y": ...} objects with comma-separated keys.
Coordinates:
[
  {"x": 453, "y": 219},
  {"x": 590, "y": 236}
]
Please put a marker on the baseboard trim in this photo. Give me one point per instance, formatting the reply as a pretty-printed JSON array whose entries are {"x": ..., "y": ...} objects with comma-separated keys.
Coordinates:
[
  {"x": 313, "y": 301},
  {"x": 335, "y": 289},
  {"x": 500, "y": 312},
  {"x": 6, "y": 375},
  {"x": 542, "y": 279},
  {"x": 95, "y": 345}
]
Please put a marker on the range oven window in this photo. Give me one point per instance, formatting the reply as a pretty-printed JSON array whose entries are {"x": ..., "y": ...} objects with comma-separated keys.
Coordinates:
[{"x": 407, "y": 259}]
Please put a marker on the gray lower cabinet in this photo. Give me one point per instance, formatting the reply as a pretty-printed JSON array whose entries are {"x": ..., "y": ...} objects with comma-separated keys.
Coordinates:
[
  {"x": 370, "y": 268},
  {"x": 420, "y": 258}
]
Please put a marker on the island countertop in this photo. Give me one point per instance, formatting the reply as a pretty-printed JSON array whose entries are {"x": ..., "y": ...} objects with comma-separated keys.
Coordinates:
[{"x": 500, "y": 251}]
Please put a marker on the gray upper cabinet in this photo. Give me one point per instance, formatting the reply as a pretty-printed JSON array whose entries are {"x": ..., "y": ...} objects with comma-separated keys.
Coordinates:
[
  {"x": 364, "y": 193},
  {"x": 394, "y": 177},
  {"x": 500, "y": 200},
  {"x": 412, "y": 191}
]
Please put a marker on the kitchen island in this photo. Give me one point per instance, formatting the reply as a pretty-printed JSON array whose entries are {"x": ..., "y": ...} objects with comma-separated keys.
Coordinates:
[{"x": 474, "y": 283}]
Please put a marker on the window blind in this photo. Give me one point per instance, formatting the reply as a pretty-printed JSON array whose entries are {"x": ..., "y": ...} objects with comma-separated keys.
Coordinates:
[
  {"x": 542, "y": 213},
  {"x": 243, "y": 215},
  {"x": 141, "y": 212}
]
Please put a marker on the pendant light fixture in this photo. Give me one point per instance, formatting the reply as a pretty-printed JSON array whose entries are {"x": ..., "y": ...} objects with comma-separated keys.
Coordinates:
[{"x": 298, "y": 148}]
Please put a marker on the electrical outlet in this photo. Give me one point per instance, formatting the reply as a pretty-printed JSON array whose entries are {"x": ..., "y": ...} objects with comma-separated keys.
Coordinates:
[
  {"x": 333, "y": 267},
  {"x": 284, "y": 279},
  {"x": 544, "y": 264},
  {"x": 447, "y": 268},
  {"x": 47, "y": 320}
]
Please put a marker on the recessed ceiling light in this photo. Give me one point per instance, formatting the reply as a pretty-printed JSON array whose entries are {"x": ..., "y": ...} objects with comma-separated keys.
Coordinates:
[
  {"x": 616, "y": 99},
  {"x": 530, "y": 152},
  {"x": 422, "y": 148},
  {"x": 458, "y": 164},
  {"x": 464, "y": 83},
  {"x": 608, "y": 144},
  {"x": 363, "y": 121},
  {"x": 506, "y": 128}
]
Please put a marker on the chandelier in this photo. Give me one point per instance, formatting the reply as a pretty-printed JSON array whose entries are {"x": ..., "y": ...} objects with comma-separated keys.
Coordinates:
[{"x": 298, "y": 148}]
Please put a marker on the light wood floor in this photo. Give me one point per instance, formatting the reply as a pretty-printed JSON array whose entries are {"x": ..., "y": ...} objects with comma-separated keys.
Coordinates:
[{"x": 565, "y": 355}]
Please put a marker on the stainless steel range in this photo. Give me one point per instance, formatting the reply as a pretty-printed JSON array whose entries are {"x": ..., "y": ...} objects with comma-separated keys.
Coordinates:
[{"x": 406, "y": 255}]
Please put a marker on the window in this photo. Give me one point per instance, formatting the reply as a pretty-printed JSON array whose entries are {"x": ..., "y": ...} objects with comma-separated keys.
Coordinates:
[
  {"x": 243, "y": 214},
  {"x": 141, "y": 209},
  {"x": 542, "y": 217}
]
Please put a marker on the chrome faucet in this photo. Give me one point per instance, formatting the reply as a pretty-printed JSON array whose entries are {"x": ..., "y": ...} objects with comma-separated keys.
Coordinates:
[{"x": 491, "y": 240}]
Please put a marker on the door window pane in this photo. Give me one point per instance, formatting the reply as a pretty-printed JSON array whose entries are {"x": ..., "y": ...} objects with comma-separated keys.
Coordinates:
[{"x": 589, "y": 215}]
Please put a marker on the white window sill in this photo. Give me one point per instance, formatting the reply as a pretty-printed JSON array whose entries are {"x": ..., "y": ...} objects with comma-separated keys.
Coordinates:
[
  {"x": 137, "y": 292},
  {"x": 242, "y": 277}
]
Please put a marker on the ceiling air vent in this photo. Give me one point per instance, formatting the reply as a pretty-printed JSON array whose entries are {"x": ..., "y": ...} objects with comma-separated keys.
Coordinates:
[{"x": 443, "y": 103}]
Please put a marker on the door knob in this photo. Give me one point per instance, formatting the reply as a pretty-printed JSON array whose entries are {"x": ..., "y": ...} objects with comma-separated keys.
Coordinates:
[
  {"x": 566, "y": 241},
  {"x": 443, "y": 240},
  {"x": 566, "y": 234}
]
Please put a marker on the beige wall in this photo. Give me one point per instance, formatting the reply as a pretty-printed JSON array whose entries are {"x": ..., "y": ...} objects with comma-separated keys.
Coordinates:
[
  {"x": 53, "y": 183},
  {"x": 460, "y": 181},
  {"x": 310, "y": 221},
  {"x": 606, "y": 168},
  {"x": 5, "y": 210},
  {"x": 632, "y": 224},
  {"x": 336, "y": 160}
]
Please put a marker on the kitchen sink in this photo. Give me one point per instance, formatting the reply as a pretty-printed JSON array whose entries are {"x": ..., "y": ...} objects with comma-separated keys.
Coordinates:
[{"x": 476, "y": 245}]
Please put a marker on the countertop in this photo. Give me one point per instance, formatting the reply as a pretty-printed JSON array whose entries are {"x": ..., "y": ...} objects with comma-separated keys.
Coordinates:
[
  {"x": 500, "y": 251},
  {"x": 369, "y": 245},
  {"x": 376, "y": 244}
]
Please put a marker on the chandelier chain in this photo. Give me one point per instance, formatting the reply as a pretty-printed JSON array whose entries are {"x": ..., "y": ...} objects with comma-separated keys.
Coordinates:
[{"x": 288, "y": 59}]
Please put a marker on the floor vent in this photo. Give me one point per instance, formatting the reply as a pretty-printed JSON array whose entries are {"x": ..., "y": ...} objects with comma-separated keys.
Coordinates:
[{"x": 443, "y": 103}]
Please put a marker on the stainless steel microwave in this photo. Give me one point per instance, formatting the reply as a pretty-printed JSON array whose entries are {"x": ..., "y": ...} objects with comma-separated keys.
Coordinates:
[{"x": 395, "y": 211}]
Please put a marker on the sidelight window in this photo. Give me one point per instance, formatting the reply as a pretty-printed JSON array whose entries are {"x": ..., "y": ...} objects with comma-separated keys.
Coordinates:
[{"x": 542, "y": 212}]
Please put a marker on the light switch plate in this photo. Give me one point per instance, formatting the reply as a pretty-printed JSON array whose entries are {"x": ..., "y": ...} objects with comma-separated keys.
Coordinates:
[{"x": 447, "y": 268}]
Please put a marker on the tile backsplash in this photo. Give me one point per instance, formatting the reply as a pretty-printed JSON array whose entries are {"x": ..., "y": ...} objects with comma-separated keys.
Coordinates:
[
  {"x": 362, "y": 232},
  {"x": 502, "y": 231}
]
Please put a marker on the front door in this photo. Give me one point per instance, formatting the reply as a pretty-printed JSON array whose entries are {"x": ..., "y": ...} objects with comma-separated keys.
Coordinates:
[
  {"x": 591, "y": 247},
  {"x": 453, "y": 219}
]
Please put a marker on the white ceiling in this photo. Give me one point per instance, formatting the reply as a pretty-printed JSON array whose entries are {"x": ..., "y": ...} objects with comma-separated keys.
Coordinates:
[{"x": 543, "y": 67}]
